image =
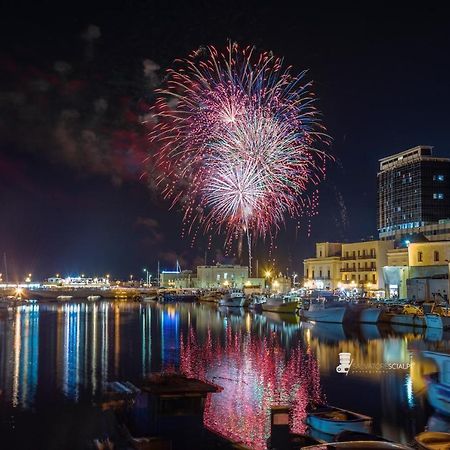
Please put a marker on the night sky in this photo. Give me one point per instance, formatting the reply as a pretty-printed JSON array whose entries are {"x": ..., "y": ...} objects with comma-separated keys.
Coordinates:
[{"x": 76, "y": 195}]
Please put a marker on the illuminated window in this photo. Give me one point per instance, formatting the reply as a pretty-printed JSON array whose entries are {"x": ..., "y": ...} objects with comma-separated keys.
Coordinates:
[
  {"x": 438, "y": 178},
  {"x": 225, "y": 275},
  {"x": 438, "y": 196}
]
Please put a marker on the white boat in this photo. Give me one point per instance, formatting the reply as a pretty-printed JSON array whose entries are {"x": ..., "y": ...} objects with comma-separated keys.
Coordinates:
[
  {"x": 370, "y": 315},
  {"x": 233, "y": 298},
  {"x": 432, "y": 440},
  {"x": 64, "y": 298},
  {"x": 332, "y": 421},
  {"x": 93, "y": 298},
  {"x": 324, "y": 311},
  {"x": 439, "y": 382}
]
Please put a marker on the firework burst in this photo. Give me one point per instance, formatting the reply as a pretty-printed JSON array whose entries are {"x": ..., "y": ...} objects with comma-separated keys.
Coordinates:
[{"x": 237, "y": 137}]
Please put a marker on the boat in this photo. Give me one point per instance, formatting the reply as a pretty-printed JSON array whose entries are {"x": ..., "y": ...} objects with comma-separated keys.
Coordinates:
[
  {"x": 256, "y": 302},
  {"x": 370, "y": 315},
  {"x": 93, "y": 298},
  {"x": 332, "y": 421},
  {"x": 436, "y": 316},
  {"x": 409, "y": 315},
  {"x": 177, "y": 296},
  {"x": 210, "y": 296},
  {"x": 64, "y": 298},
  {"x": 149, "y": 298},
  {"x": 432, "y": 440},
  {"x": 234, "y": 298},
  {"x": 357, "y": 445},
  {"x": 439, "y": 382},
  {"x": 324, "y": 310},
  {"x": 280, "y": 305},
  {"x": 119, "y": 395}
]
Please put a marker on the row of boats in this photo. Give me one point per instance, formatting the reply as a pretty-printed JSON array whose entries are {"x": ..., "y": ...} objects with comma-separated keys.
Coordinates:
[{"x": 331, "y": 309}]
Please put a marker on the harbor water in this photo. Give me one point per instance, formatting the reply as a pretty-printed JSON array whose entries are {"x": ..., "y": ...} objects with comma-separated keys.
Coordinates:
[{"x": 55, "y": 358}]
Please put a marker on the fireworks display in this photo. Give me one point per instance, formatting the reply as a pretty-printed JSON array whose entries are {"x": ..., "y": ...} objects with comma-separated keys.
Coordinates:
[{"x": 238, "y": 137}]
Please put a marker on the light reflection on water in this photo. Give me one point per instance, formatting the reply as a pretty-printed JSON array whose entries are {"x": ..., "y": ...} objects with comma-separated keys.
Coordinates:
[{"x": 259, "y": 360}]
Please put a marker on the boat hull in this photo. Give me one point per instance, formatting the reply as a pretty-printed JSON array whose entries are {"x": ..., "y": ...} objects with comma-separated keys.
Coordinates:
[
  {"x": 370, "y": 315},
  {"x": 329, "y": 315},
  {"x": 332, "y": 426},
  {"x": 237, "y": 302},
  {"x": 430, "y": 440},
  {"x": 286, "y": 308},
  {"x": 439, "y": 396},
  {"x": 437, "y": 321},
  {"x": 406, "y": 319}
]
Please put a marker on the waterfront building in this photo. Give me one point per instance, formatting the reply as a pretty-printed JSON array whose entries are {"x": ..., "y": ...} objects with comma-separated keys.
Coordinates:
[
  {"x": 354, "y": 266},
  {"x": 413, "y": 192},
  {"x": 324, "y": 271},
  {"x": 362, "y": 265},
  {"x": 222, "y": 275},
  {"x": 177, "y": 279},
  {"x": 429, "y": 259}
]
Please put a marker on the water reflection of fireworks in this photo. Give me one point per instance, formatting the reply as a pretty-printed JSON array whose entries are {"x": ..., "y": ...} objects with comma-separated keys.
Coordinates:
[{"x": 256, "y": 373}]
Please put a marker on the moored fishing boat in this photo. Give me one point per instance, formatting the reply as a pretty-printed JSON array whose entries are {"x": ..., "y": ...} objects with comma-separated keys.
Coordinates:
[
  {"x": 370, "y": 315},
  {"x": 280, "y": 305},
  {"x": 234, "y": 298},
  {"x": 325, "y": 310},
  {"x": 332, "y": 421},
  {"x": 177, "y": 296},
  {"x": 436, "y": 316},
  {"x": 409, "y": 315}
]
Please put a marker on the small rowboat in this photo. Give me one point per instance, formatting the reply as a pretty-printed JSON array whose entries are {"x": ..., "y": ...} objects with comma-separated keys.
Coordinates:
[
  {"x": 433, "y": 440},
  {"x": 358, "y": 445},
  {"x": 332, "y": 421}
]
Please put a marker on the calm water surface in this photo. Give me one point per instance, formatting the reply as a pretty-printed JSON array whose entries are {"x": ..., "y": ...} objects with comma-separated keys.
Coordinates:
[{"x": 55, "y": 358}]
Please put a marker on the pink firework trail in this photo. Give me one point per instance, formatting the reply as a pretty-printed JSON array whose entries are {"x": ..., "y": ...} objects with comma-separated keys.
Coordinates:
[{"x": 237, "y": 136}]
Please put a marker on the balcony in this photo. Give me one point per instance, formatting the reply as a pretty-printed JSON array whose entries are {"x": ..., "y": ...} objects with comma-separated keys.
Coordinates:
[
  {"x": 349, "y": 269},
  {"x": 348, "y": 258},
  {"x": 368, "y": 256}
]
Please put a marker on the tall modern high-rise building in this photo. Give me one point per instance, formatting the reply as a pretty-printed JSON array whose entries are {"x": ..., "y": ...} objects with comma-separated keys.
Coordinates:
[{"x": 413, "y": 192}]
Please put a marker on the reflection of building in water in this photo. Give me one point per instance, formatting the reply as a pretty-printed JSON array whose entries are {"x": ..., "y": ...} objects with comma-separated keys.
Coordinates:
[
  {"x": 19, "y": 355},
  {"x": 170, "y": 337},
  {"x": 146, "y": 324}
]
